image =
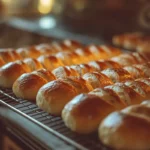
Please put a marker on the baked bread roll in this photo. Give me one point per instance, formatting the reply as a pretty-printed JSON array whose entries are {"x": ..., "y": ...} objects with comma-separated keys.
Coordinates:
[
  {"x": 66, "y": 45},
  {"x": 118, "y": 96},
  {"x": 134, "y": 41},
  {"x": 28, "y": 84},
  {"x": 11, "y": 71},
  {"x": 127, "y": 124},
  {"x": 128, "y": 59},
  {"x": 127, "y": 40},
  {"x": 117, "y": 74},
  {"x": 33, "y": 63},
  {"x": 71, "y": 44},
  {"x": 70, "y": 58},
  {"x": 104, "y": 64},
  {"x": 55, "y": 96},
  {"x": 28, "y": 52},
  {"x": 50, "y": 62},
  {"x": 135, "y": 71},
  {"x": 144, "y": 68},
  {"x": 127, "y": 95},
  {"x": 84, "y": 113},
  {"x": 131, "y": 130},
  {"x": 141, "y": 86},
  {"x": 96, "y": 79}
]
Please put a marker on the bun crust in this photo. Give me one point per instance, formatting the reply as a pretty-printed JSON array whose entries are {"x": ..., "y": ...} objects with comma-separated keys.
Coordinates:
[
  {"x": 27, "y": 85},
  {"x": 49, "y": 100},
  {"x": 86, "y": 110},
  {"x": 124, "y": 128},
  {"x": 10, "y": 72}
]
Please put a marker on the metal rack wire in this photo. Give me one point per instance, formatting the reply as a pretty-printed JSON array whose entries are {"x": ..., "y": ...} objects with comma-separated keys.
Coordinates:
[{"x": 55, "y": 124}]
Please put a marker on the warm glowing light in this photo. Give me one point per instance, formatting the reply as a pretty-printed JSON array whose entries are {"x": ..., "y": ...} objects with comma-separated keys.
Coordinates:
[
  {"x": 45, "y": 6},
  {"x": 7, "y": 1},
  {"x": 47, "y": 22}
]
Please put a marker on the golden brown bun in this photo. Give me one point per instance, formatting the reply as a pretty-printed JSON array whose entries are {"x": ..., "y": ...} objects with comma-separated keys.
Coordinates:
[
  {"x": 117, "y": 74},
  {"x": 72, "y": 44},
  {"x": 132, "y": 131},
  {"x": 125, "y": 59},
  {"x": 84, "y": 113},
  {"x": 69, "y": 58},
  {"x": 7, "y": 56},
  {"x": 109, "y": 96},
  {"x": 27, "y": 85},
  {"x": 110, "y": 51},
  {"x": 127, "y": 40},
  {"x": 34, "y": 64},
  {"x": 97, "y": 79},
  {"x": 61, "y": 72},
  {"x": 140, "y": 87},
  {"x": 88, "y": 87},
  {"x": 96, "y": 51},
  {"x": 28, "y": 52},
  {"x": 10, "y": 55},
  {"x": 141, "y": 110},
  {"x": 112, "y": 64},
  {"x": 99, "y": 65},
  {"x": 74, "y": 70},
  {"x": 53, "y": 96},
  {"x": 87, "y": 68},
  {"x": 66, "y": 71},
  {"x": 127, "y": 95},
  {"x": 11, "y": 71},
  {"x": 45, "y": 49},
  {"x": 85, "y": 54},
  {"x": 50, "y": 62},
  {"x": 80, "y": 69},
  {"x": 145, "y": 68},
  {"x": 78, "y": 83},
  {"x": 134, "y": 72},
  {"x": 46, "y": 74},
  {"x": 140, "y": 58},
  {"x": 104, "y": 64}
]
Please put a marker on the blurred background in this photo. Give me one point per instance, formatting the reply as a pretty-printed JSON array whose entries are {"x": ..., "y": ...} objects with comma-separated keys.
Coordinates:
[{"x": 84, "y": 20}]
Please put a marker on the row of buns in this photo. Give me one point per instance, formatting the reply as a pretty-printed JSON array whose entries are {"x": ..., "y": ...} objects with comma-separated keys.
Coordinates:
[
  {"x": 10, "y": 55},
  {"x": 84, "y": 113},
  {"x": 50, "y": 62},
  {"x": 127, "y": 129},
  {"x": 133, "y": 41},
  {"x": 53, "y": 96},
  {"x": 28, "y": 84}
]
